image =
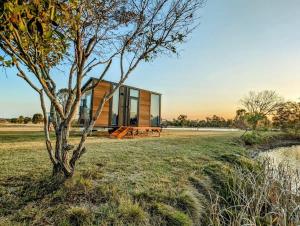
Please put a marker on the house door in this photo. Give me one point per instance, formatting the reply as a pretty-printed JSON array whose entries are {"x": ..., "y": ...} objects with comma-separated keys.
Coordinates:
[{"x": 133, "y": 107}]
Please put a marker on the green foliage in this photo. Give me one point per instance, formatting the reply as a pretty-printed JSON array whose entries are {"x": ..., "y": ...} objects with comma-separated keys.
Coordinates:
[
  {"x": 37, "y": 118},
  {"x": 214, "y": 121},
  {"x": 287, "y": 117},
  {"x": 252, "y": 138},
  {"x": 21, "y": 120},
  {"x": 27, "y": 120},
  {"x": 254, "y": 118},
  {"x": 14, "y": 120},
  {"x": 33, "y": 25}
]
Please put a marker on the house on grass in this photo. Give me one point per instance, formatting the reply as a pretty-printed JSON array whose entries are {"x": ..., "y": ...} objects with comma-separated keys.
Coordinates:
[{"x": 132, "y": 109}]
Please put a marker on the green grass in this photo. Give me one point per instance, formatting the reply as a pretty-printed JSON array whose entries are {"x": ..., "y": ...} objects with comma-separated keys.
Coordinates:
[
  {"x": 20, "y": 136},
  {"x": 151, "y": 181}
]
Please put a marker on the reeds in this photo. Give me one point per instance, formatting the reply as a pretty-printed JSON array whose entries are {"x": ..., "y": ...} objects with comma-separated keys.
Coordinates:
[{"x": 269, "y": 196}]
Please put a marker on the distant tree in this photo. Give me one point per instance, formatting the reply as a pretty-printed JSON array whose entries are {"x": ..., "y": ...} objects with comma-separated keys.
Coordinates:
[
  {"x": 229, "y": 123},
  {"x": 240, "y": 121},
  {"x": 287, "y": 117},
  {"x": 182, "y": 120},
  {"x": 260, "y": 105},
  {"x": 37, "y": 118},
  {"x": 214, "y": 121},
  {"x": 27, "y": 120},
  {"x": 14, "y": 120},
  {"x": 254, "y": 118},
  {"x": 21, "y": 119}
]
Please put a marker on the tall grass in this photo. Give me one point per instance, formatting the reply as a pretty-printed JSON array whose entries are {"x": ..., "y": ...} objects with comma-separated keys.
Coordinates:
[{"x": 269, "y": 196}]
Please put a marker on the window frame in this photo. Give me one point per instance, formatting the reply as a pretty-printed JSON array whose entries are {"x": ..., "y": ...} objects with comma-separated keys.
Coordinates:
[
  {"x": 159, "y": 109},
  {"x": 129, "y": 105}
]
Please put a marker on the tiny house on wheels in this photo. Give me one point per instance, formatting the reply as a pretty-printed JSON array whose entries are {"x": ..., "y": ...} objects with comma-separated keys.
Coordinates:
[{"x": 131, "y": 111}]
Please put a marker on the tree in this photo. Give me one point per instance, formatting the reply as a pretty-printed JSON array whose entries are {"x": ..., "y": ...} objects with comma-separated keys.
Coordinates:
[
  {"x": 182, "y": 120},
  {"x": 27, "y": 120},
  {"x": 287, "y": 117},
  {"x": 21, "y": 119},
  {"x": 37, "y": 118},
  {"x": 79, "y": 37},
  {"x": 260, "y": 105},
  {"x": 14, "y": 120},
  {"x": 62, "y": 96}
]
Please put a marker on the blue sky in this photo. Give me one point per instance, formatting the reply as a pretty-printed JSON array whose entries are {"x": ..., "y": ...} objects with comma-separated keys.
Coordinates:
[{"x": 239, "y": 46}]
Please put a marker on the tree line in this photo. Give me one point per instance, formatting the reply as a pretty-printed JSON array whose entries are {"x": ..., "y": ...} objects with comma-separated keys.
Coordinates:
[
  {"x": 266, "y": 109},
  {"x": 35, "y": 119},
  {"x": 260, "y": 111},
  {"x": 214, "y": 121}
]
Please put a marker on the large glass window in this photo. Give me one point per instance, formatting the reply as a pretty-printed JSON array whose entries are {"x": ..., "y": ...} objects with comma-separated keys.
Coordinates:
[
  {"x": 133, "y": 107},
  {"x": 155, "y": 110},
  {"x": 133, "y": 112},
  {"x": 115, "y": 108},
  {"x": 85, "y": 108}
]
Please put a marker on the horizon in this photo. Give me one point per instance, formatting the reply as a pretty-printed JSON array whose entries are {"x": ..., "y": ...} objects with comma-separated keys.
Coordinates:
[{"x": 238, "y": 47}]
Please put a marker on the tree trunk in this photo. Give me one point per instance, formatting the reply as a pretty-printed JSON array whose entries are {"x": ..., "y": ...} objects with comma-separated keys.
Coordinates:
[{"x": 62, "y": 166}]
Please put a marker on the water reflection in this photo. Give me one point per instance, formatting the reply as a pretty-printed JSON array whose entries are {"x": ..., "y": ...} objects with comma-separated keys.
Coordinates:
[{"x": 290, "y": 155}]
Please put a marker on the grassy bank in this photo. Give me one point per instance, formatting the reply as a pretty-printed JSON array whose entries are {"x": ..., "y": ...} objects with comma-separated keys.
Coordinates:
[{"x": 151, "y": 181}]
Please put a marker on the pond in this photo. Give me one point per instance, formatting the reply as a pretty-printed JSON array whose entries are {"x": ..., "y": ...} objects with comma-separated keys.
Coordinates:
[
  {"x": 289, "y": 155},
  {"x": 205, "y": 129}
]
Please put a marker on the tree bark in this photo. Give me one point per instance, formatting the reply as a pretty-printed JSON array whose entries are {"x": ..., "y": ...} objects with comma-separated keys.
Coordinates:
[{"x": 62, "y": 165}]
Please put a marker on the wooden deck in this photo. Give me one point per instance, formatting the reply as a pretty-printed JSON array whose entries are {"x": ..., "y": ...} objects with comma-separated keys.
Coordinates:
[{"x": 131, "y": 132}]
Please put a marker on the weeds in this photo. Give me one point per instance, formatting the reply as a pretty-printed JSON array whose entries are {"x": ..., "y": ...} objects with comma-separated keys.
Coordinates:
[{"x": 265, "y": 197}]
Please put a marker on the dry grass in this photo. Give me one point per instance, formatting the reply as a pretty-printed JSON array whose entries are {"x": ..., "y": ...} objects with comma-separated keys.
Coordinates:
[
  {"x": 268, "y": 196},
  {"x": 10, "y": 127},
  {"x": 149, "y": 181}
]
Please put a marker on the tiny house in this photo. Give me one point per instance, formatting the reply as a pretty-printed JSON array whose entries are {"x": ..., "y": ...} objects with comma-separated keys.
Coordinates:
[{"x": 129, "y": 106}]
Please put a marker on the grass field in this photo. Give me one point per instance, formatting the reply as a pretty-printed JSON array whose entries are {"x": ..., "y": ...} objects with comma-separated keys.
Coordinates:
[{"x": 145, "y": 181}]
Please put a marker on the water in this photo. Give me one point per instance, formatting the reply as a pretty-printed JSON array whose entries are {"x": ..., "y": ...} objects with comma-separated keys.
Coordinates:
[
  {"x": 202, "y": 129},
  {"x": 289, "y": 155}
]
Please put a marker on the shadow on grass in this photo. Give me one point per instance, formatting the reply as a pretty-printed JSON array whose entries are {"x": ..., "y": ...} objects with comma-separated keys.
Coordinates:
[{"x": 17, "y": 192}]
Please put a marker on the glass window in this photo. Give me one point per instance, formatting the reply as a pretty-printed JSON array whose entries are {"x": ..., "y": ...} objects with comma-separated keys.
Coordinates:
[
  {"x": 85, "y": 108},
  {"x": 133, "y": 112},
  {"x": 155, "y": 110},
  {"x": 115, "y": 108},
  {"x": 134, "y": 93}
]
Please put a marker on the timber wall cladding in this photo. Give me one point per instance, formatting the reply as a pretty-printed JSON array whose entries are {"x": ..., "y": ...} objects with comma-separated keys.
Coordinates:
[
  {"x": 144, "y": 108},
  {"x": 99, "y": 92}
]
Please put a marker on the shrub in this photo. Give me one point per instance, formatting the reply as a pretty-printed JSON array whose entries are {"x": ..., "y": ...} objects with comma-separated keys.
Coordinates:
[
  {"x": 21, "y": 119},
  {"x": 37, "y": 118},
  {"x": 14, "y": 120},
  {"x": 252, "y": 138},
  {"x": 27, "y": 120}
]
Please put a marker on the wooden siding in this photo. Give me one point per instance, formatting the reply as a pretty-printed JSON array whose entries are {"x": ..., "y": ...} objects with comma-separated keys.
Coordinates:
[
  {"x": 99, "y": 93},
  {"x": 144, "y": 108}
]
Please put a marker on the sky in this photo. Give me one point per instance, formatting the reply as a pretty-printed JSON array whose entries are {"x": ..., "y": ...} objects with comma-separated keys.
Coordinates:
[{"x": 239, "y": 46}]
